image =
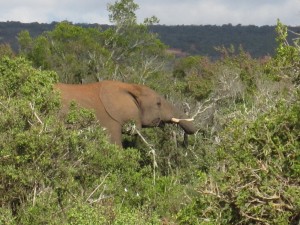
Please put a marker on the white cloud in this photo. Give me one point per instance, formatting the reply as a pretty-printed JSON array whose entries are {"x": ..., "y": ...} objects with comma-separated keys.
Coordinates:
[
  {"x": 23, "y": 14},
  {"x": 256, "y": 12},
  {"x": 90, "y": 11}
]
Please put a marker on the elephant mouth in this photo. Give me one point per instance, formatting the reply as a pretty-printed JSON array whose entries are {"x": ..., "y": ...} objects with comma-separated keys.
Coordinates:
[
  {"x": 157, "y": 122},
  {"x": 154, "y": 123}
]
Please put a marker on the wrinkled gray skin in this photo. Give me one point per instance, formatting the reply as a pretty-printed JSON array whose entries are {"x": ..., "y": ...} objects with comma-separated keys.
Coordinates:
[{"x": 116, "y": 103}]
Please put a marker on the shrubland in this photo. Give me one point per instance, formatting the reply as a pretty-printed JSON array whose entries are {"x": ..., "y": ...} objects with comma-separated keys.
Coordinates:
[{"x": 241, "y": 167}]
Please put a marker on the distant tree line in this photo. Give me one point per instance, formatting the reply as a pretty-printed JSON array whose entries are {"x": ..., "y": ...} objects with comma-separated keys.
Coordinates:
[
  {"x": 190, "y": 39},
  {"x": 202, "y": 40}
]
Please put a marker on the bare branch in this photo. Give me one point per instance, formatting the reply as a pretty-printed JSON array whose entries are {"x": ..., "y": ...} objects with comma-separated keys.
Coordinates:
[
  {"x": 200, "y": 108},
  {"x": 152, "y": 151},
  {"x": 88, "y": 198},
  {"x": 35, "y": 114}
]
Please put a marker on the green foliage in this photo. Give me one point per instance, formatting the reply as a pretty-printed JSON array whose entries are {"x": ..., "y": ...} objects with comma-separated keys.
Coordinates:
[
  {"x": 263, "y": 165},
  {"x": 123, "y": 12},
  {"x": 77, "y": 54},
  {"x": 286, "y": 55},
  {"x": 132, "y": 217},
  {"x": 255, "y": 178},
  {"x": 250, "y": 70},
  {"x": 67, "y": 167},
  {"x": 250, "y": 157},
  {"x": 26, "y": 98},
  {"x": 25, "y": 41},
  {"x": 136, "y": 51},
  {"x": 194, "y": 76},
  {"x": 259, "y": 41},
  {"x": 126, "y": 51},
  {"x": 5, "y": 50},
  {"x": 19, "y": 80},
  {"x": 286, "y": 63}
]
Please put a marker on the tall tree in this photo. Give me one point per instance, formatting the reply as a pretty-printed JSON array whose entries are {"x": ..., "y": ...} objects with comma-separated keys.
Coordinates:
[
  {"x": 127, "y": 51},
  {"x": 137, "y": 52},
  {"x": 77, "y": 54}
]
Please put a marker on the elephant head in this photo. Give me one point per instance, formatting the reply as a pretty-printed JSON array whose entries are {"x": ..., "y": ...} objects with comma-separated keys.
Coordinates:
[{"x": 116, "y": 103}]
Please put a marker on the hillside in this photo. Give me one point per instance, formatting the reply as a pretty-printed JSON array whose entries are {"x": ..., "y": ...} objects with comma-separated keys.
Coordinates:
[
  {"x": 194, "y": 40},
  {"x": 202, "y": 40}
]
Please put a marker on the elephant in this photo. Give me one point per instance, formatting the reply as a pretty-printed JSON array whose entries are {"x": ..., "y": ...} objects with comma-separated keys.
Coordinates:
[{"x": 116, "y": 103}]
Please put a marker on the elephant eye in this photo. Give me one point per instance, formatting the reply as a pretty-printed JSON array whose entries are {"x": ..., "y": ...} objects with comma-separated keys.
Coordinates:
[{"x": 158, "y": 101}]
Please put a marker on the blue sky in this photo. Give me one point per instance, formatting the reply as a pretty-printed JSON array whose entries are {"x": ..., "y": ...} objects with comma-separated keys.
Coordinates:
[{"x": 169, "y": 12}]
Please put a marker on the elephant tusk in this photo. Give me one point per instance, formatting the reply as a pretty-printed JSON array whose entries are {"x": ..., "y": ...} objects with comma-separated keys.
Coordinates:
[{"x": 175, "y": 120}]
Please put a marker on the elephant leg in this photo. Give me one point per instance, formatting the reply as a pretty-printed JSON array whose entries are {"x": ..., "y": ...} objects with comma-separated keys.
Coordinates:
[
  {"x": 114, "y": 131},
  {"x": 115, "y": 134}
]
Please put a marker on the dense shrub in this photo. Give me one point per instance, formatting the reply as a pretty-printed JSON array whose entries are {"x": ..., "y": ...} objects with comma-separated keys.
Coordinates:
[
  {"x": 194, "y": 77},
  {"x": 45, "y": 163},
  {"x": 255, "y": 177},
  {"x": 286, "y": 62},
  {"x": 64, "y": 167}
]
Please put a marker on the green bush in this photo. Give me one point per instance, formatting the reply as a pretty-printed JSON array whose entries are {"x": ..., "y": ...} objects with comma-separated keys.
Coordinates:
[
  {"x": 194, "y": 77},
  {"x": 255, "y": 177},
  {"x": 286, "y": 62},
  {"x": 64, "y": 167}
]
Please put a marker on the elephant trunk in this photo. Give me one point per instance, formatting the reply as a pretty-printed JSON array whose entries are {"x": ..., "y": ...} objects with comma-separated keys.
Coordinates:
[
  {"x": 187, "y": 125},
  {"x": 173, "y": 115}
]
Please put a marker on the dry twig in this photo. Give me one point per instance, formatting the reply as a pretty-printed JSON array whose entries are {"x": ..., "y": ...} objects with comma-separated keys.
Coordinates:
[
  {"x": 35, "y": 114},
  {"x": 89, "y": 198}
]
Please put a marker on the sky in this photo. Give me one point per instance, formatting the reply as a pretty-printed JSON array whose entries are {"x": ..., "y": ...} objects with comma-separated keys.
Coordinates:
[{"x": 169, "y": 12}]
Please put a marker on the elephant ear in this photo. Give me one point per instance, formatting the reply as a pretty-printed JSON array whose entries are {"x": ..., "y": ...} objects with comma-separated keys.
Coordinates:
[{"x": 120, "y": 103}]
